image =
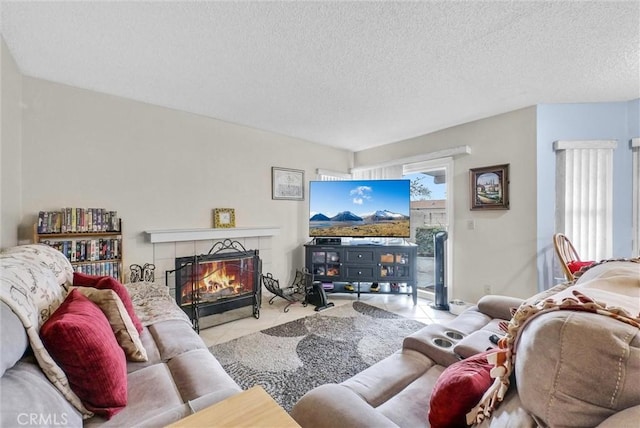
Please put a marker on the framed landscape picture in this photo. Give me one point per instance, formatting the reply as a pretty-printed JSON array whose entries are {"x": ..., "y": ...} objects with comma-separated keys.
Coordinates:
[
  {"x": 287, "y": 183},
  {"x": 489, "y": 187}
]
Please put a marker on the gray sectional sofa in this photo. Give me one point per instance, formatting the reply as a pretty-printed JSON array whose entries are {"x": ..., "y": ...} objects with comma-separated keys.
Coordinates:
[
  {"x": 572, "y": 363},
  {"x": 179, "y": 377}
]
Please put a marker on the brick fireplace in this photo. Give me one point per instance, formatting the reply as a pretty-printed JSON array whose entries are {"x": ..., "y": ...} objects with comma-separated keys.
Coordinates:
[
  {"x": 226, "y": 278},
  {"x": 171, "y": 244}
]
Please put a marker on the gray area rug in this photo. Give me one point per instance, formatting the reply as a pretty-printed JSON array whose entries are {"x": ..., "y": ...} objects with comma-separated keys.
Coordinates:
[{"x": 328, "y": 347}]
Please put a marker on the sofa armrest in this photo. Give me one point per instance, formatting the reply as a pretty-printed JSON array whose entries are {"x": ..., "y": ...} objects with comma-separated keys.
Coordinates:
[
  {"x": 626, "y": 418},
  {"x": 434, "y": 342},
  {"x": 498, "y": 306},
  {"x": 331, "y": 405}
]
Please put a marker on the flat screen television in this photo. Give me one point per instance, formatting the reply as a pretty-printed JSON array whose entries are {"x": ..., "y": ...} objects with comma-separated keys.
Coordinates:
[{"x": 359, "y": 209}]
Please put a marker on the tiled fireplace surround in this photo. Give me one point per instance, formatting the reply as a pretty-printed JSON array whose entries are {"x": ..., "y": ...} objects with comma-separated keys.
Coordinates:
[{"x": 173, "y": 243}]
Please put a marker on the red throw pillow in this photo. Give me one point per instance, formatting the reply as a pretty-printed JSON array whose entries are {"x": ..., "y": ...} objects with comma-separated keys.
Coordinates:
[
  {"x": 109, "y": 282},
  {"x": 575, "y": 266},
  {"x": 458, "y": 389},
  {"x": 83, "y": 280},
  {"x": 79, "y": 338}
]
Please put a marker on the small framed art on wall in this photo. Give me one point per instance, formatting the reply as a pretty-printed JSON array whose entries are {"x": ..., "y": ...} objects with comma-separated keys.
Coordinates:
[
  {"x": 287, "y": 183},
  {"x": 489, "y": 187},
  {"x": 224, "y": 217}
]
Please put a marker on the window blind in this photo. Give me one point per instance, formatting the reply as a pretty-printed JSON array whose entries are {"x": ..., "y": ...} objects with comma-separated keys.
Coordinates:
[
  {"x": 327, "y": 175},
  {"x": 584, "y": 195},
  {"x": 379, "y": 173},
  {"x": 635, "y": 147}
]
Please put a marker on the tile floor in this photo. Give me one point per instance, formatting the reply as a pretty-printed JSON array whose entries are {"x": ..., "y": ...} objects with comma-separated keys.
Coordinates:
[{"x": 272, "y": 315}]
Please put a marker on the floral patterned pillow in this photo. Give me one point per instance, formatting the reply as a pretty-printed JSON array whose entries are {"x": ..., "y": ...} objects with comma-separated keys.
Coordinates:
[{"x": 47, "y": 256}]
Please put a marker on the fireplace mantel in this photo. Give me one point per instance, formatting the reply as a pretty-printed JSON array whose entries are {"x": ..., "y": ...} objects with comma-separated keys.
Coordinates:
[{"x": 178, "y": 235}]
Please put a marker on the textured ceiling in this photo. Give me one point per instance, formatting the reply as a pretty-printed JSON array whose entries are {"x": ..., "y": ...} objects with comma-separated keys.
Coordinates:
[{"x": 347, "y": 74}]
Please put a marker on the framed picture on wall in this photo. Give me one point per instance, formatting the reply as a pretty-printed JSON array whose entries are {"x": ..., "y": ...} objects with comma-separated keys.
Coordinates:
[
  {"x": 287, "y": 183},
  {"x": 489, "y": 187},
  {"x": 224, "y": 217}
]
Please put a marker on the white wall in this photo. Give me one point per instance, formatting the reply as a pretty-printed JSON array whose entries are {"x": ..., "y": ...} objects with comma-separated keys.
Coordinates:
[
  {"x": 10, "y": 140},
  {"x": 501, "y": 251},
  {"x": 160, "y": 168}
]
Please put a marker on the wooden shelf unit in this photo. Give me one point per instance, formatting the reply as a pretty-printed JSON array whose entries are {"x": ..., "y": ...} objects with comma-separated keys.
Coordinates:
[{"x": 92, "y": 253}]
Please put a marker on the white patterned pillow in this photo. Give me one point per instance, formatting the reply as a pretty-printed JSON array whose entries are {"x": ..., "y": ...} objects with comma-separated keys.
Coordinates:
[
  {"x": 49, "y": 257},
  {"x": 32, "y": 287}
]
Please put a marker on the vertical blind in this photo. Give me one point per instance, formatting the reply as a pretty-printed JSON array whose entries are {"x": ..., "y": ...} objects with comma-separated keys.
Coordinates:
[
  {"x": 328, "y": 175},
  {"x": 584, "y": 195},
  {"x": 635, "y": 147},
  {"x": 379, "y": 173}
]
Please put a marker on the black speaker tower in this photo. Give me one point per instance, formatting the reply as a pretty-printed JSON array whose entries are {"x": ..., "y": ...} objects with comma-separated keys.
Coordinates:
[{"x": 441, "y": 300}]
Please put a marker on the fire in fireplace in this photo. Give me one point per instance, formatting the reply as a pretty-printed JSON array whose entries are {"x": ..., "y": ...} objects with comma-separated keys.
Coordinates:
[
  {"x": 226, "y": 278},
  {"x": 216, "y": 279}
]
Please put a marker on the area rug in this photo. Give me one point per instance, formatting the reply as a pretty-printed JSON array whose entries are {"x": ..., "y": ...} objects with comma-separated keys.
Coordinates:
[{"x": 328, "y": 347}]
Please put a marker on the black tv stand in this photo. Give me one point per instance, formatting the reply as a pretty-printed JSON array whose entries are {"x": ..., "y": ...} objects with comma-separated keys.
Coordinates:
[{"x": 364, "y": 268}]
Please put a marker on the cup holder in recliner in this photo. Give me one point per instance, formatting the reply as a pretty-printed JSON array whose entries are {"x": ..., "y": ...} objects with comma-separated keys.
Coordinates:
[
  {"x": 454, "y": 335},
  {"x": 443, "y": 343}
]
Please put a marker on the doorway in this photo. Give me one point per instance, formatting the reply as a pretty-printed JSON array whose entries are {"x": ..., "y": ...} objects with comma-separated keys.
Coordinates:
[{"x": 431, "y": 211}]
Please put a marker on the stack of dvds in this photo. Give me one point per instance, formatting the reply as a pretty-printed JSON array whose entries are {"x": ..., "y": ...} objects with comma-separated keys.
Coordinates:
[{"x": 78, "y": 220}]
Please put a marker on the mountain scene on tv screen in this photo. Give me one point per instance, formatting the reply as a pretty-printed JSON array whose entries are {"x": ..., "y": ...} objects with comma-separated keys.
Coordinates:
[
  {"x": 346, "y": 223},
  {"x": 359, "y": 208}
]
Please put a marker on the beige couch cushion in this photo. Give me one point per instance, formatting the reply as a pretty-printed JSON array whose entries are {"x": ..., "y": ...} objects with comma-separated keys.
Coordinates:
[
  {"x": 29, "y": 399},
  {"x": 165, "y": 334},
  {"x": 577, "y": 368},
  {"x": 500, "y": 307},
  {"x": 383, "y": 380},
  {"x": 193, "y": 380},
  {"x": 151, "y": 391}
]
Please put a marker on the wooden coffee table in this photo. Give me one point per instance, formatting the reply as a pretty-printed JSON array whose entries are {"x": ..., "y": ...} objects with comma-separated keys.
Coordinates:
[{"x": 250, "y": 409}]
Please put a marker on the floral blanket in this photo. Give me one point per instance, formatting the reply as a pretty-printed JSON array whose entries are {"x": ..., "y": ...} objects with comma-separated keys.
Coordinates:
[
  {"x": 573, "y": 299},
  {"x": 153, "y": 303}
]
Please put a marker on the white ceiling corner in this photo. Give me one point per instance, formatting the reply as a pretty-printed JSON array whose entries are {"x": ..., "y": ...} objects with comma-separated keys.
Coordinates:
[{"x": 347, "y": 74}]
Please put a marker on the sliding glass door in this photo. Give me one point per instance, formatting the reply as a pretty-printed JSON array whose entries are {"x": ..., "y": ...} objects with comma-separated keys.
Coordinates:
[{"x": 430, "y": 214}]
